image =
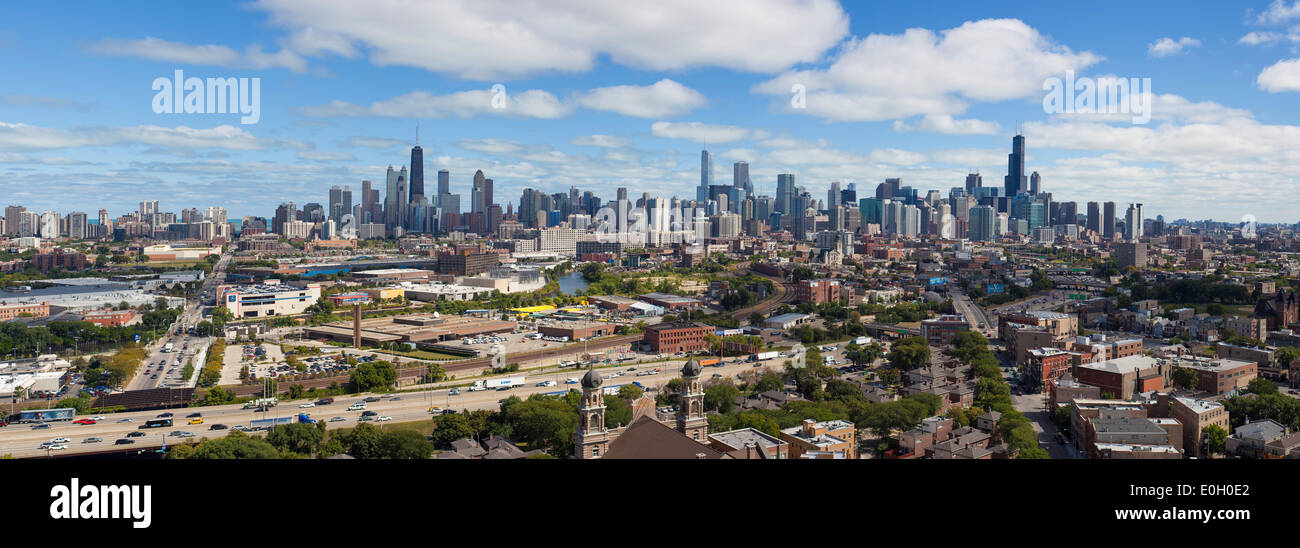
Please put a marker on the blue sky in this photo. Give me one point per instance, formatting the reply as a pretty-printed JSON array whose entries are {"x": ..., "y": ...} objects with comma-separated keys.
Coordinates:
[{"x": 602, "y": 96}]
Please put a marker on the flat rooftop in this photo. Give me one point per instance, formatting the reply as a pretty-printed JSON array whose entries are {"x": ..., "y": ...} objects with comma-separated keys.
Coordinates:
[
  {"x": 413, "y": 328},
  {"x": 1123, "y": 365}
]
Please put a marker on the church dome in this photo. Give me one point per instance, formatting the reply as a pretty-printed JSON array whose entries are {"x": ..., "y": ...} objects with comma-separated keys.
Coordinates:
[
  {"x": 692, "y": 368},
  {"x": 591, "y": 379}
]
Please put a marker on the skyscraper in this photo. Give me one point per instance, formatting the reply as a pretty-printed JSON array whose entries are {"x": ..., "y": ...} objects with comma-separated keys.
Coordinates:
[
  {"x": 478, "y": 202},
  {"x": 973, "y": 181},
  {"x": 417, "y": 171},
  {"x": 1034, "y": 182},
  {"x": 740, "y": 178},
  {"x": 785, "y": 193},
  {"x": 1133, "y": 222},
  {"x": 1015, "y": 179},
  {"x": 706, "y": 176},
  {"x": 1108, "y": 221},
  {"x": 833, "y": 196},
  {"x": 1094, "y": 217}
]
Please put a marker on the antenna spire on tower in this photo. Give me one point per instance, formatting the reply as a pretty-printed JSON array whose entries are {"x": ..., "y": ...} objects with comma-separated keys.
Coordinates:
[{"x": 417, "y": 133}]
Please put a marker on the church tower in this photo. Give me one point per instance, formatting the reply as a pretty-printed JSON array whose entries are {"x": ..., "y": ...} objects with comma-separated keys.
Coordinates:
[
  {"x": 691, "y": 419},
  {"x": 593, "y": 438}
]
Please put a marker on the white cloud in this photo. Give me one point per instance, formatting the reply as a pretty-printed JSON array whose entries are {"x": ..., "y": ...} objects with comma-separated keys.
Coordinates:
[
  {"x": 221, "y": 56},
  {"x": 1255, "y": 38},
  {"x": 1282, "y": 76},
  {"x": 532, "y": 103},
  {"x": 1279, "y": 12},
  {"x": 699, "y": 132},
  {"x": 494, "y": 39},
  {"x": 26, "y": 137},
  {"x": 374, "y": 142},
  {"x": 943, "y": 123},
  {"x": 1166, "y": 47},
  {"x": 663, "y": 99},
  {"x": 919, "y": 72},
  {"x": 603, "y": 141},
  {"x": 23, "y": 99},
  {"x": 323, "y": 156}
]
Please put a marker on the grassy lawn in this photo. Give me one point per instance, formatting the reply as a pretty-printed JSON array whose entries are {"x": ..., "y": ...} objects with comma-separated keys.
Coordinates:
[
  {"x": 421, "y": 354},
  {"x": 423, "y": 426}
]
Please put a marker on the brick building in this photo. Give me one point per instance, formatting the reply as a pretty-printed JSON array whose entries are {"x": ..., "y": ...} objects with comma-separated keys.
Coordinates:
[
  {"x": 677, "y": 337},
  {"x": 466, "y": 264},
  {"x": 940, "y": 331},
  {"x": 817, "y": 291},
  {"x": 835, "y": 439},
  {"x": 15, "y": 311}
]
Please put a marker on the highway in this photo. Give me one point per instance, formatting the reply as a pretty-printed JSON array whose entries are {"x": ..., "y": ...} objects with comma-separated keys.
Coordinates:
[
  {"x": 21, "y": 441},
  {"x": 975, "y": 314}
]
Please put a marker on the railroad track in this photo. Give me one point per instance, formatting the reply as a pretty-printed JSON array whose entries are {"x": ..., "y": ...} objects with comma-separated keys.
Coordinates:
[{"x": 783, "y": 294}]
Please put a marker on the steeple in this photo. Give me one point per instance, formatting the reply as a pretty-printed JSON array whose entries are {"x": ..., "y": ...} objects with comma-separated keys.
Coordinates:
[
  {"x": 592, "y": 439},
  {"x": 691, "y": 419}
]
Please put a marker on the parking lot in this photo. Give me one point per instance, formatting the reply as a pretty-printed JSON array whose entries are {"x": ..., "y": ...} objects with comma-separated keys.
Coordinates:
[
  {"x": 268, "y": 361},
  {"x": 513, "y": 343}
]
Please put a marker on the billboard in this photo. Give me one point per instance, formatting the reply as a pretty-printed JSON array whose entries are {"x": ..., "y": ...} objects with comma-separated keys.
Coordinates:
[
  {"x": 41, "y": 415},
  {"x": 938, "y": 281},
  {"x": 994, "y": 289}
]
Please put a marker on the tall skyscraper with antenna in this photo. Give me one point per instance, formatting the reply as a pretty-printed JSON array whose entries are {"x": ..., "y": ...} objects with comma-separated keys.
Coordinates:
[
  {"x": 1016, "y": 182},
  {"x": 417, "y": 168}
]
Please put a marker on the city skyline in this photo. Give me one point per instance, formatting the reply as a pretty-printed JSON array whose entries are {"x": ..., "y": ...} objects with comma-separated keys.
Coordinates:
[{"x": 611, "y": 114}]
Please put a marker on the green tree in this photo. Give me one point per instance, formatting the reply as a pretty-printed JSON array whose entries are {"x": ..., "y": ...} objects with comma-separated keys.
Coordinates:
[
  {"x": 301, "y": 438},
  {"x": 544, "y": 422},
  {"x": 236, "y": 445},
  {"x": 449, "y": 428},
  {"x": 909, "y": 353},
  {"x": 1184, "y": 377},
  {"x": 372, "y": 376},
  {"x": 720, "y": 395},
  {"x": 768, "y": 382},
  {"x": 1214, "y": 438}
]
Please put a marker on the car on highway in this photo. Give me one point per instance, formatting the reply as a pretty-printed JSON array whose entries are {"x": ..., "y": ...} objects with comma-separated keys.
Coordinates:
[
  {"x": 368, "y": 413},
  {"x": 59, "y": 440},
  {"x": 97, "y": 418},
  {"x": 571, "y": 380},
  {"x": 196, "y": 421},
  {"x": 165, "y": 416},
  {"x": 187, "y": 434},
  {"x": 338, "y": 419},
  {"x": 83, "y": 421},
  {"x": 306, "y": 405},
  {"x": 546, "y": 383},
  {"x": 383, "y": 418},
  {"x": 218, "y": 427},
  {"x": 364, "y": 418},
  {"x": 124, "y": 441},
  {"x": 239, "y": 427},
  {"x": 357, "y": 406},
  {"x": 371, "y": 399},
  {"x": 56, "y": 447},
  {"x": 92, "y": 440},
  {"x": 135, "y": 434},
  {"x": 120, "y": 421},
  {"x": 192, "y": 415},
  {"x": 40, "y": 426},
  {"x": 435, "y": 410},
  {"x": 454, "y": 392},
  {"x": 325, "y": 401}
]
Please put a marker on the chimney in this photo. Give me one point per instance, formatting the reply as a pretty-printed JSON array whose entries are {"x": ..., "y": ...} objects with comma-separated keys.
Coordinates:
[
  {"x": 809, "y": 427},
  {"x": 699, "y": 456},
  {"x": 356, "y": 325}
]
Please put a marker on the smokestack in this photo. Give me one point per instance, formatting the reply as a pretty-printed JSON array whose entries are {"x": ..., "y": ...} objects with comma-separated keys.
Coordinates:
[{"x": 356, "y": 325}]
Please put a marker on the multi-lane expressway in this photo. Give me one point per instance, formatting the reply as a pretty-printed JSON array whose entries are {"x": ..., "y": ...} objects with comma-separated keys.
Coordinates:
[{"x": 21, "y": 441}]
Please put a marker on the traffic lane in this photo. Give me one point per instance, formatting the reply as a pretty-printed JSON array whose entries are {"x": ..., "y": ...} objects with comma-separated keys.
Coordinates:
[{"x": 20, "y": 440}]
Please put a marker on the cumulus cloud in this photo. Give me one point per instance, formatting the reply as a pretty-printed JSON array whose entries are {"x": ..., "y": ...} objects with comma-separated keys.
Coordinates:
[
  {"x": 1166, "y": 47},
  {"x": 1282, "y": 76},
  {"x": 493, "y": 39},
  {"x": 603, "y": 141},
  {"x": 222, "y": 56},
  {"x": 663, "y": 99},
  {"x": 532, "y": 103},
  {"x": 27, "y": 137},
  {"x": 1279, "y": 12},
  {"x": 943, "y": 123},
  {"x": 920, "y": 72},
  {"x": 699, "y": 132}
]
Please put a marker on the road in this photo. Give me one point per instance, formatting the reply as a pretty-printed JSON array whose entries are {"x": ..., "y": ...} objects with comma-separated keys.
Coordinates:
[
  {"x": 974, "y": 313},
  {"x": 191, "y": 316},
  {"x": 22, "y": 441}
]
